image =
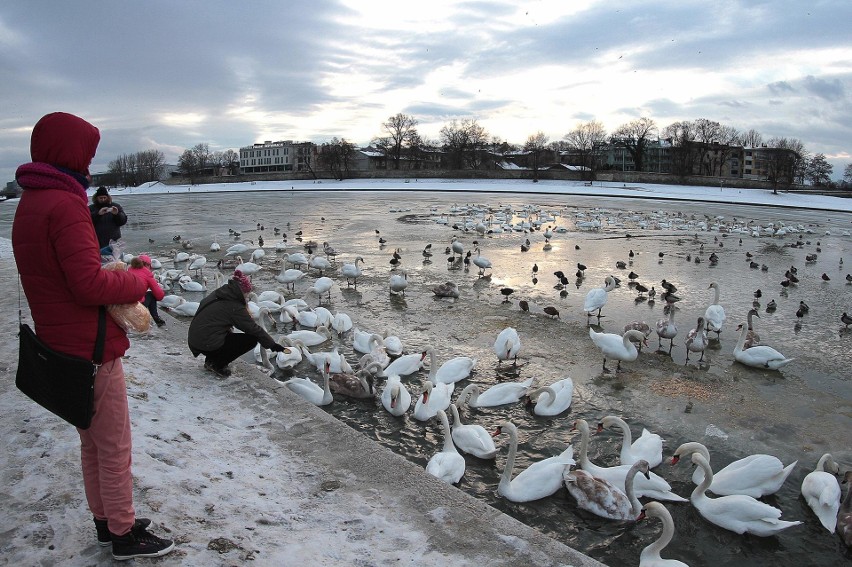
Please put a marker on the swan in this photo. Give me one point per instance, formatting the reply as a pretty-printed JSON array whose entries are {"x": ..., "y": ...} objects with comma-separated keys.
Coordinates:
[
  {"x": 352, "y": 271},
  {"x": 290, "y": 277},
  {"x": 481, "y": 262},
  {"x": 696, "y": 340},
  {"x": 752, "y": 338},
  {"x": 447, "y": 289},
  {"x": 393, "y": 344},
  {"x": 307, "y": 318},
  {"x": 472, "y": 439},
  {"x": 405, "y": 365},
  {"x": 539, "y": 480},
  {"x": 336, "y": 361},
  {"x": 341, "y": 323},
  {"x": 844, "y": 517},
  {"x": 822, "y": 491},
  {"x": 271, "y": 295},
  {"x": 395, "y": 397},
  {"x": 497, "y": 395},
  {"x": 248, "y": 268},
  {"x": 297, "y": 259},
  {"x": 434, "y": 397},
  {"x": 667, "y": 329},
  {"x": 291, "y": 355},
  {"x": 617, "y": 346},
  {"x": 447, "y": 464},
  {"x": 189, "y": 284},
  {"x": 170, "y": 301},
  {"x": 596, "y": 298},
  {"x": 738, "y": 513},
  {"x": 650, "y": 556},
  {"x": 398, "y": 283},
  {"x": 320, "y": 263},
  {"x": 185, "y": 309},
  {"x": 197, "y": 263},
  {"x": 237, "y": 249},
  {"x": 649, "y": 446},
  {"x": 507, "y": 345},
  {"x": 377, "y": 355},
  {"x": 321, "y": 285},
  {"x": 553, "y": 399},
  {"x": 352, "y": 385},
  {"x": 362, "y": 341},
  {"x": 756, "y": 475},
  {"x": 602, "y": 498},
  {"x": 652, "y": 487},
  {"x": 451, "y": 371},
  {"x": 310, "y": 391},
  {"x": 310, "y": 338},
  {"x": 215, "y": 246},
  {"x": 714, "y": 316},
  {"x": 758, "y": 356}
]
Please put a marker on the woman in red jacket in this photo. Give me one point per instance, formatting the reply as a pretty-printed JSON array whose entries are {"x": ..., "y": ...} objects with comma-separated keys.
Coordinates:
[{"x": 59, "y": 262}]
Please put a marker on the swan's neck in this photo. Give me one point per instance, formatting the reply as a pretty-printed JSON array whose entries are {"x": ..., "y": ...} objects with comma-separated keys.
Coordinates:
[
  {"x": 671, "y": 314},
  {"x": 628, "y": 489},
  {"x": 433, "y": 366},
  {"x": 627, "y": 437},
  {"x": 664, "y": 539},
  {"x": 698, "y": 493},
  {"x": 741, "y": 342},
  {"x": 821, "y": 463},
  {"x": 471, "y": 389},
  {"x": 456, "y": 419},
  {"x": 716, "y": 295},
  {"x": 506, "y": 478},
  {"x": 749, "y": 319},
  {"x": 584, "y": 445},
  {"x": 536, "y": 395},
  {"x": 448, "y": 438}
]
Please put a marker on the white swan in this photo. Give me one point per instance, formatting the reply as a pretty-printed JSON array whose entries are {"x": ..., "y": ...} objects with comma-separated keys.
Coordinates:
[
  {"x": 434, "y": 397},
  {"x": 291, "y": 355},
  {"x": 481, "y": 262},
  {"x": 650, "y": 556},
  {"x": 321, "y": 285},
  {"x": 310, "y": 338},
  {"x": 185, "y": 309},
  {"x": 696, "y": 340},
  {"x": 170, "y": 301},
  {"x": 653, "y": 487},
  {"x": 714, "y": 316},
  {"x": 447, "y": 465},
  {"x": 737, "y": 513},
  {"x": 290, "y": 277},
  {"x": 617, "y": 346},
  {"x": 497, "y": 395},
  {"x": 237, "y": 249},
  {"x": 756, "y": 475},
  {"x": 649, "y": 446},
  {"x": 539, "y": 480},
  {"x": 596, "y": 298},
  {"x": 507, "y": 345},
  {"x": 553, "y": 399},
  {"x": 310, "y": 391},
  {"x": 297, "y": 259},
  {"x": 822, "y": 491},
  {"x": 320, "y": 263},
  {"x": 352, "y": 271},
  {"x": 362, "y": 341},
  {"x": 341, "y": 323},
  {"x": 759, "y": 356},
  {"x": 334, "y": 359},
  {"x": 406, "y": 364},
  {"x": 667, "y": 329},
  {"x": 472, "y": 439},
  {"x": 392, "y": 344},
  {"x": 398, "y": 283},
  {"x": 395, "y": 397},
  {"x": 602, "y": 498},
  {"x": 452, "y": 371}
]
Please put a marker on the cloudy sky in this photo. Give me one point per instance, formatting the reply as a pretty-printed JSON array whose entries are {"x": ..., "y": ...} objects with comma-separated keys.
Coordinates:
[{"x": 167, "y": 75}]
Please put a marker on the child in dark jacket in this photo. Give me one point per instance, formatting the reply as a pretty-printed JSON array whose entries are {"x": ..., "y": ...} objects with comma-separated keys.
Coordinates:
[{"x": 140, "y": 266}]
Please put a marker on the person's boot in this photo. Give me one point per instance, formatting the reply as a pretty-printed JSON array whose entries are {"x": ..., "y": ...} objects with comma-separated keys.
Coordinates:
[
  {"x": 104, "y": 539},
  {"x": 139, "y": 543},
  {"x": 159, "y": 321}
]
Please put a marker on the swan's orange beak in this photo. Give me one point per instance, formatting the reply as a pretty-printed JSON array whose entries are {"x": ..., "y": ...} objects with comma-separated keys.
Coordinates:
[
  {"x": 641, "y": 515},
  {"x": 425, "y": 397},
  {"x": 497, "y": 432},
  {"x": 675, "y": 459},
  {"x": 600, "y": 428},
  {"x": 423, "y": 356}
]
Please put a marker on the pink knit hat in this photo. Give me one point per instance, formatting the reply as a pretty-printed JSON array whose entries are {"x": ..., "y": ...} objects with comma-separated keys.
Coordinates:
[
  {"x": 242, "y": 279},
  {"x": 145, "y": 259}
]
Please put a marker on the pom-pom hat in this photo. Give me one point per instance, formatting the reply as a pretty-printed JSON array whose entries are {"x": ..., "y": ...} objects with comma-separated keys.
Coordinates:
[{"x": 242, "y": 279}]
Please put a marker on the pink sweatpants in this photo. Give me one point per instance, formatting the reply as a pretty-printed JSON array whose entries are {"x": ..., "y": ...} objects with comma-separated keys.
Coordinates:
[{"x": 105, "y": 451}]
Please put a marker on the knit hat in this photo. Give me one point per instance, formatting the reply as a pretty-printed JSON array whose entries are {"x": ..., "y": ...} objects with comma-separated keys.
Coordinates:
[
  {"x": 242, "y": 279},
  {"x": 102, "y": 192},
  {"x": 145, "y": 259}
]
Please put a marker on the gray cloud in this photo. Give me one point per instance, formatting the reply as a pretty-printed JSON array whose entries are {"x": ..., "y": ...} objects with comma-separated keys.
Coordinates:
[{"x": 824, "y": 88}]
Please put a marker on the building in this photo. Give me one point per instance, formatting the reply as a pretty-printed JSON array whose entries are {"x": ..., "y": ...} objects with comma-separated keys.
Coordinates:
[{"x": 286, "y": 156}]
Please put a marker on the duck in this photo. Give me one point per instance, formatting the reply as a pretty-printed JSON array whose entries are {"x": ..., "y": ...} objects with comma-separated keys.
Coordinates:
[
  {"x": 617, "y": 346},
  {"x": 758, "y": 356},
  {"x": 756, "y": 475},
  {"x": 553, "y": 399},
  {"x": 771, "y": 306},
  {"x": 737, "y": 513},
  {"x": 406, "y": 364},
  {"x": 396, "y": 398},
  {"x": 352, "y": 385},
  {"x": 352, "y": 271},
  {"x": 596, "y": 298},
  {"x": 451, "y": 371},
  {"x": 667, "y": 329},
  {"x": 714, "y": 316},
  {"x": 821, "y": 491},
  {"x": 507, "y": 345},
  {"x": 752, "y": 338},
  {"x": 648, "y": 447},
  {"x": 604, "y": 499},
  {"x": 310, "y": 391},
  {"x": 472, "y": 439},
  {"x": 447, "y": 464},
  {"x": 650, "y": 556},
  {"x": 696, "y": 340},
  {"x": 497, "y": 395},
  {"x": 844, "y": 517},
  {"x": 846, "y": 319},
  {"x": 652, "y": 487},
  {"x": 447, "y": 289},
  {"x": 310, "y": 338},
  {"x": 539, "y": 480},
  {"x": 433, "y": 398}
]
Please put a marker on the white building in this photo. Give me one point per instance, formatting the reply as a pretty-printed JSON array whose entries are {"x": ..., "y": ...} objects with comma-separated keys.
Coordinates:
[{"x": 277, "y": 156}]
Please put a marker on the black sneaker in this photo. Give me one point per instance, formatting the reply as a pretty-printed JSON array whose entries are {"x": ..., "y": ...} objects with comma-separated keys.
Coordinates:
[
  {"x": 104, "y": 539},
  {"x": 139, "y": 544},
  {"x": 223, "y": 371},
  {"x": 159, "y": 321}
]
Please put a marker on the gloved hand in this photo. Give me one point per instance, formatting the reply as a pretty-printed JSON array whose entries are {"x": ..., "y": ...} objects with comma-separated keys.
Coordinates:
[{"x": 278, "y": 348}]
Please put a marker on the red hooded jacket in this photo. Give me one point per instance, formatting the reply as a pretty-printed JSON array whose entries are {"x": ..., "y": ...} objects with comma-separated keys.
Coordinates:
[{"x": 55, "y": 245}]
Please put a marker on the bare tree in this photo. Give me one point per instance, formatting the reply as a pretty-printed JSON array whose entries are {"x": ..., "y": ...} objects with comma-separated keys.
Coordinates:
[
  {"x": 337, "y": 156},
  {"x": 402, "y": 131},
  {"x": 634, "y": 137},
  {"x": 684, "y": 153},
  {"x": 729, "y": 138},
  {"x": 464, "y": 142},
  {"x": 131, "y": 170},
  {"x": 818, "y": 170},
  {"x": 587, "y": 139},
  {"x": 847, "y": 173},
  {"x": 785, "y": 160},
  {"x": 751, "y": 139},
  {"x": 536, "y": 144}
]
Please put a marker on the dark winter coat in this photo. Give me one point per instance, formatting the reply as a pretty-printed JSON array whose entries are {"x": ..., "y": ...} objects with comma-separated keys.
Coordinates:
[
  {"x": 55, "y": 247},
  {"x": 107, "y": 226},
  {"x": 218, "y": 312}
]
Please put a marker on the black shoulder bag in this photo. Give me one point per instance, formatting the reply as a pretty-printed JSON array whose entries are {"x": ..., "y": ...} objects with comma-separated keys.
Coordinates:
[{"x": 60, "y": 383}]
